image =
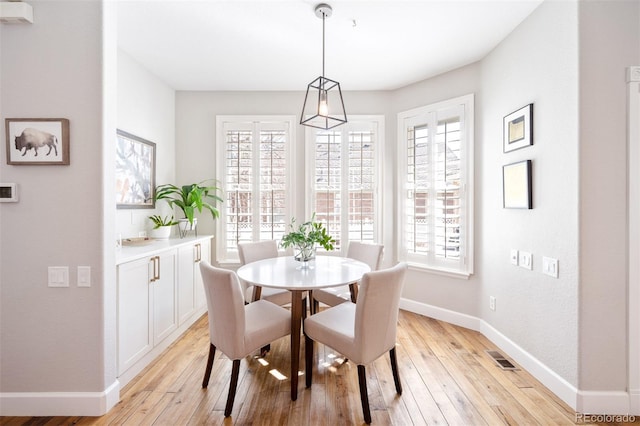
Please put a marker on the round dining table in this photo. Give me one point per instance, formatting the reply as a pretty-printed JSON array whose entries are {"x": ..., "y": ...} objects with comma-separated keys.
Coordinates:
[{"x": 287, "y": 273}]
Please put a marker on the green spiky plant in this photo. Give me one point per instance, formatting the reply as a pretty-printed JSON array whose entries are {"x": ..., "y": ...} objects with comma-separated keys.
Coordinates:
[{"x": 191, "y": 198}]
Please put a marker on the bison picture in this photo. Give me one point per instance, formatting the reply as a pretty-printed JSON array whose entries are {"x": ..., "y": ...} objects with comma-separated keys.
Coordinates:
[{"x": 34, "y": 138}]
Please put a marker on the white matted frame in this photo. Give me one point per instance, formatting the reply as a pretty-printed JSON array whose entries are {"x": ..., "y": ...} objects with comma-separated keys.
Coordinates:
[
  {"x": 37, "y": 141},
  {"x": 518, "y": 129},
  {"x": 516, "y": 185}
]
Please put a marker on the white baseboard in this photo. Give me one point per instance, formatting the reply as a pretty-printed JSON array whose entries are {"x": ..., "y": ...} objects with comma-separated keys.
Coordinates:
[
  {"x": 452, "y": 317},
  {"x": 610, "y": 402},
  {"x": 35, "y": 404},
  {"x": 634, "y": 402},
  {"x": 582, "y": 401}
]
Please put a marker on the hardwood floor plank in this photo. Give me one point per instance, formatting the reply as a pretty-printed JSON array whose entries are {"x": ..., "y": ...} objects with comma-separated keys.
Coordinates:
[{"x": 446, "y": 375}]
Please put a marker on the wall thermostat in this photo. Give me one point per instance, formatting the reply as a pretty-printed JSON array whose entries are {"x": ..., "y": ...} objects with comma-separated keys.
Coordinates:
[{"x": 8, "y": 193}]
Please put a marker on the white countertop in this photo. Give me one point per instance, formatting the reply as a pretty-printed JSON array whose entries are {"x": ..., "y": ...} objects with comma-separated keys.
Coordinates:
[{"x": 153, "y": 247}]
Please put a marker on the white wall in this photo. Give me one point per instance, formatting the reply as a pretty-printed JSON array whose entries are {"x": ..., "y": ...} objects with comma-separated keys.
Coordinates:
[
  {"x": 146, "y": 108},
  {"x": 52, "y": 339},
  {"x": 195, "y": 135},
  {"x": 537, "y": 63},
  {"x": 609, "y": 40}
]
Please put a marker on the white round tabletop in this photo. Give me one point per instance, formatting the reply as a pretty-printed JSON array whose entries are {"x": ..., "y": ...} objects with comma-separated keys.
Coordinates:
[{"x": 287, "y": 273}]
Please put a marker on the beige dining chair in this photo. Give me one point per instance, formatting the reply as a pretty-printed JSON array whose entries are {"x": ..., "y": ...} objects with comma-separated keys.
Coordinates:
[
  {"x": 371, "y": 254},
  {"x": 363, "y": 331},
  {"x": 258, "y": 250},
  {"x": 253, "y": 251},
  {"x": 237, "y": 329}
]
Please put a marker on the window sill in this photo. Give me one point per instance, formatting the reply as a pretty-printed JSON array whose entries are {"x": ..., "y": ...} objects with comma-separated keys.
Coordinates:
[{"x": 451, "y": 273}]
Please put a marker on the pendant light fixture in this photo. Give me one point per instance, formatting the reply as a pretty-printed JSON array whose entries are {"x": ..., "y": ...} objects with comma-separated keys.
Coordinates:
[{"x": 323, "y": 105}]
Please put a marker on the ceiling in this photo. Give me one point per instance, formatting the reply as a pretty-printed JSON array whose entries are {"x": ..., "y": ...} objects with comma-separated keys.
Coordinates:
[{"x": 277, "y": 45}]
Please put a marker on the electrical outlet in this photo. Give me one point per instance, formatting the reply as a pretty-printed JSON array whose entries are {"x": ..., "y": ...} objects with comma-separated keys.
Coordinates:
[
  {"x": 525, "y": 260},
  {"x": 492, "y": 303}
]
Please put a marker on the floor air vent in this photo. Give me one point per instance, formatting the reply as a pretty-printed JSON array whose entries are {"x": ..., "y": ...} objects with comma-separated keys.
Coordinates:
[{"x": 502, "y": 362}]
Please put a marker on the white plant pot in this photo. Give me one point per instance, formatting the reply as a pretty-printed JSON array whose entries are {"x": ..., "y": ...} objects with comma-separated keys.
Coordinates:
[
  {"x": 185, "y": 226},
  {"x": 161, "y": 233}
]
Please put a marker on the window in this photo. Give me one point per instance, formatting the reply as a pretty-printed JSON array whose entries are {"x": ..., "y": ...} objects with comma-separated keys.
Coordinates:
[
  {"x": 254, "y": 163},
  {"x": 345, "y": 172},
  {"x": 436, "y": 197}
]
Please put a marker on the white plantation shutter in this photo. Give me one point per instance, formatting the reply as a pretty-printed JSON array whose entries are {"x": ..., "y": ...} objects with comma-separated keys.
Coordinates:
[
  {"x": 436, "y": 161},
  {"x": 254, "y": 161},
  {"x": 345, "y": 177}
]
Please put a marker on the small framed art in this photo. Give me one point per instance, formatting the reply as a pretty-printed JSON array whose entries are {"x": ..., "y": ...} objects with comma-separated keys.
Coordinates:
[
  {"x": 518, "y": 129},
  {"x": 135, "y": 172},
  {"x": 516, "y": 185},
  {"x": 37, "y": 141}
]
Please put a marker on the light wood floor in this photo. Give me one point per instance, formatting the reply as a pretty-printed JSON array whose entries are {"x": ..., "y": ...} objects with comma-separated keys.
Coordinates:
[{"x": 447, "y": 379}]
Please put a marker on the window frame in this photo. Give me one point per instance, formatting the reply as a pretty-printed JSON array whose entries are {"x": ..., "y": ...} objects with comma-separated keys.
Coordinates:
[
  {"x": 365, "y": 122},
  {"x": 255, "y": 123},
  {"x": 462, "y": 268}
]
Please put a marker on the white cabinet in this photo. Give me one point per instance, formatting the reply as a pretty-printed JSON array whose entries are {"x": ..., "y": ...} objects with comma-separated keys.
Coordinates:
[
  {"x": 190, "y": 290},
  {"x": 135, "y": 336},
  {"x": 163, "y": 291},
  {"x": 160, "y": 295},
  {"x": 146, "y": 306}
]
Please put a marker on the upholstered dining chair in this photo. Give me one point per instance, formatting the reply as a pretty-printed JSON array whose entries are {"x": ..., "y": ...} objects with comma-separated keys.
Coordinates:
[
  {"x": 237, "y": 329},
  {"x": 253, "y": 251},
  {"x": 371, "y": 254},
  {"x": 363, "y": 331},
  {"x": 258, "y": 250}
]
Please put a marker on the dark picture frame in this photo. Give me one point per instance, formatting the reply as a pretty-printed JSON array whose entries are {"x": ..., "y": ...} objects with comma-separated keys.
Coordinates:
[
  {"x": 518, "y": 129},
  {"x": 135, "y": 172},
  {"x": 516, "y": 185},
  {"x": 37, "y": 141}
]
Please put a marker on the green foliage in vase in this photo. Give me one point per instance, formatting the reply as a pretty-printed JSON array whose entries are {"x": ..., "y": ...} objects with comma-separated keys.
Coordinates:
[{"x": 307, "y": 235}]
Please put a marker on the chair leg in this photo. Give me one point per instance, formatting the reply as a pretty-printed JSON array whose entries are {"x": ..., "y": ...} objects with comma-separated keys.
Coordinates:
[
  {"x": 235, "y": 372},
  {"x": 394, "y": 369},
  {"x": 207, "y": 372},
  {"x": 308, "y": 359},
  {"x": 263, "y": 350},
  {"x": 364, "y": 398},
  {"x": 304, "y": 308}
]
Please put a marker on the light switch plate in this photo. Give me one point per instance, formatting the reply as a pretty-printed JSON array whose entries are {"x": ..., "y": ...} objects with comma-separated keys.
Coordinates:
[
  {"x": 514, "y": 257},
  {"x": 550, "y": 266},
  {"x": 84, "y": 276},
  {"x": 525, "y": 260},
  {"x": 58, "y": 276}
]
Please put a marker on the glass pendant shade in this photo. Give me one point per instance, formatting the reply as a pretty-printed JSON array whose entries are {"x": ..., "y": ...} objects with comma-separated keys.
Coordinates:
[{"x": 323, "y": 105}]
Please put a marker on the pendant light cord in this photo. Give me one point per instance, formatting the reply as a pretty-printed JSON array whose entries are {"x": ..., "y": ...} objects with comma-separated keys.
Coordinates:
[{"x": 323, "y": 16}]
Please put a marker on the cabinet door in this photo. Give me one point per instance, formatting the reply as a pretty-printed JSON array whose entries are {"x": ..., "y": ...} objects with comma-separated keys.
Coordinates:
[
  {"x": 205, "y": 253},
  {"x": 187, "y": 257},
  {"x": 164, "y": 296},
  {"x": 134, "y": 312}
]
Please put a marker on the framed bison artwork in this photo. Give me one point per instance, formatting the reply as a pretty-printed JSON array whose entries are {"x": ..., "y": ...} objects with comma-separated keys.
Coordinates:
[
  {"x": 135, "y": 172},
  {"x": 37, "y": 141}
]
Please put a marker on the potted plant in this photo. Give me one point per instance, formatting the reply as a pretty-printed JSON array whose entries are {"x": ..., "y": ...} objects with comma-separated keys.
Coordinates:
[
  {"x": 190, "y": 198},
  {"x": 305, "y": 237},
  {"x": 161, "y": 226}
]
